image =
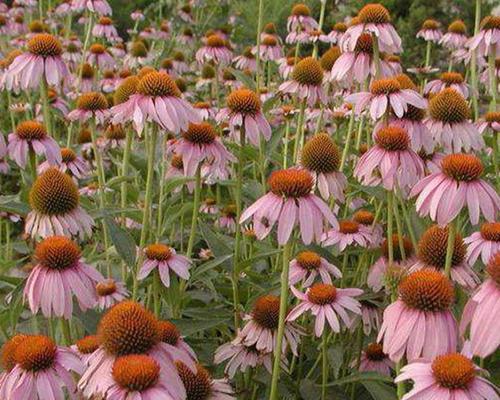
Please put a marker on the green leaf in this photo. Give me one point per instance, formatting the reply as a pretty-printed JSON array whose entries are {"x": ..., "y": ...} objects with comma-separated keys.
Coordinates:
[
  {"x": 361, "y": 377},
  {"x": 380, "y": 390},
  {"x": 15, "y": 207},
  {"x": 190, "y": 327},
  {"x": 243, "y": 78},
  {"x": 205, "y": 267},
  {"x": 124, "y": 243}
]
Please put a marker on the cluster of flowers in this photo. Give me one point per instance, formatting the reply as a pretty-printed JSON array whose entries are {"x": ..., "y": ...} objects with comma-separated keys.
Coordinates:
[{"x": 196, "y": 122}]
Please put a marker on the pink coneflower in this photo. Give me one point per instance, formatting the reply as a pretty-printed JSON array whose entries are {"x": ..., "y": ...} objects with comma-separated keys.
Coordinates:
[
  {"x": 261, "y": 327},
  {"x": 412, "y": 121},
  {"x": 54, "y": 200},
  {"x": 142, "y": 377},
  {"x": 286, "y": 66},
  {"x": 70, "y": 163},
  {"x": 185, "y": 13},
  {"x": 442, "y": 195},
  {"x": 42, "y": 61},
  {"x": 171, "y": 336},
  {"x": 456, "y": 36},
  {"x": 290, "y": 202},
  {"x": 186, "y": 37},
  {"x": 491, "y": 120},
  {"x": 244, "y": 112},
  {"x": 386, "y": 94},
  {"x": 430, "y": 31},
  {"x": 391, "y": 161},
  {"x": 445, "y": 377},
  {"x": 209, "y": 206},
  {"x": 64, "y": 8},
  {"x": 31, "y": 136},
  {"x": 481, "y": 312},
  {"x": 370, "y": 318},
  {"x": 245, "y": 61},
  {"x": 126, "y": 329},
  {"x": 104, "y": 29},
  {"x": 117, "y": 50},
  {"x": 306, "y": 82},
  {"x": 42, "y": 369},
  {"x": 381, "y": 273},
  {"x": 100, "y": 7},
  {"x": 86, "y": 83},
  {"x": 300, "y": 19},
  {"x": 484, "y": 243},
  {"x": 391, "y": 65},
  {"x": 206, "y": 110},
  {"x": 307, "y": 265},
  {"x": 270, "y": 49},
  {"x": 432, "y": 253},
  {"x": 165, "y": 259},
  {"x": 109, "y": 292},
  {"x": 85, "y": 346},
  {"x": 58, "y": 276},
  {"x": 179, "y": 62},
  {"x": 216, "y": 50},
  {"x": 137, "y": 15},
  {"x": 90, "y": 105},
  {"x": 349, "y": 233},
  {"x": 488, "y": 36},
  {"x": 326, "y": 303},
  {"x": 375, "y": 19},
  {"x": 200, "y": 143},
  {"x": 432, "y": 161},
  {"x": 227, "y": 219},
  {"x": 321, "y": 157},
  {"x": 99, "y": 57},
  {"x": 157, "y": 99},
  {"x": 114, "y": 137},
  {"x": 367, "y": 219},
  {"x": 355, "y": 65},
  {"x": 108, "y": 83},
  {"x": 336, "y": 33},
  {"x": 327, "y": 62},
  {"x": 374, "y": 359},
  {"x": 241, "y": 357},
  {"x": 420, "y": 323},
  {"x": 200, "y": 385},
  {"x": 138, "y": 55},
  {"x": 453, "y": 80}
]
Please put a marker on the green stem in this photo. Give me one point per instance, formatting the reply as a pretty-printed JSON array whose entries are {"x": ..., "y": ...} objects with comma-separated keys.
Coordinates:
[
  {"x": 196, "y": 211},
  {"x": 159, "y": 224},
  {"x": 287, "y": 139},
  {"x": 281, "y": 323},
  {"x": 347, "y": 143},
  {"x": 156, "y": 293},
  {"x": 45, "y": 106},
  {"x": 324, "y": 365},
  {"x": 66, "y": 330},
  {"x": 321, "y": 20},
  {"x": 124, "y": 172},
  {"x": 101, "y": 180},
  {"x": 473, "y": 63},
  {"x": 90, "y": 23},
  {"x": 237, "y": 238},
  {"x": 146, "y": 214},
  {"x": 300, "y": 131},
  {"x": 449, "y": 249},
  {"x": 492, "y": 76},
  {"x": 257, "y": 55},
  {"x": 390, "y": 211},
  {"x": 399, "y": 227},
  {"x": 376, "y": 57},
  {"x": 69, "y": 139}
]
